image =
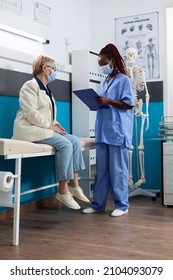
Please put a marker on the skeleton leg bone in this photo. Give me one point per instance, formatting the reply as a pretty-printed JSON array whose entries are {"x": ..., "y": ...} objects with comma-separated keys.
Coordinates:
[
  {"x": 135, "y": 188},
  {"x": 142, "y": 171},
  {"x": 130, "y": 167}
]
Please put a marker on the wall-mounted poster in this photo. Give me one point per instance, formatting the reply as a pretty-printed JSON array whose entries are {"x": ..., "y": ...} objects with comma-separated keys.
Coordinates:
[
  {"x": 42, "y": 13},
  {"x": 12, "y": 6},
  {"x": 140, "y": 32}
]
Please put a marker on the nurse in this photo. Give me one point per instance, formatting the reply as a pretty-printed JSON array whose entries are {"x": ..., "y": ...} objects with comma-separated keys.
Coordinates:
[{"x": 114, "y": 129}]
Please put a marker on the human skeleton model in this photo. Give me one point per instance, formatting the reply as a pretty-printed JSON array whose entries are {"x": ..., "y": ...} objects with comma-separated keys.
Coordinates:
[{"x": 137, "y": 76}]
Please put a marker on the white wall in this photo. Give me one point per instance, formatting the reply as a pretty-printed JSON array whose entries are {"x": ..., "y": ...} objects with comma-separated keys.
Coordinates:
[
  {"x": 69, "y": 19},
  {"x": 169, "y": 54},
  {"x": 87, "y": 24},
  {"x": 103, "y": 27}
]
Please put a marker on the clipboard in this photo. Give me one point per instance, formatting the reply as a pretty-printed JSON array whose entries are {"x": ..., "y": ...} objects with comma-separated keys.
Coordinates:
[{"x": 88, "y": 96}]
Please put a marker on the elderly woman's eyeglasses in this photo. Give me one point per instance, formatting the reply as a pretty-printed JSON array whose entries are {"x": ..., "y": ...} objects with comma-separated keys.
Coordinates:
[{"x": 53, "y": 68}]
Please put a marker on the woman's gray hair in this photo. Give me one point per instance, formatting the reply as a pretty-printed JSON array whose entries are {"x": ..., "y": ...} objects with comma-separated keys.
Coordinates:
[{"x": 38, "y": 63}]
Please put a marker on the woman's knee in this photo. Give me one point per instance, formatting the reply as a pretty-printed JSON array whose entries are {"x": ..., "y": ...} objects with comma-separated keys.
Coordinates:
[
  {"x": 76, "y": 141},
  {"x": 68, "y": 147}
]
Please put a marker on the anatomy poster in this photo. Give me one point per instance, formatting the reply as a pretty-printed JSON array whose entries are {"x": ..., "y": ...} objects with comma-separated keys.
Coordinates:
[{"x": 140, "y": 32}]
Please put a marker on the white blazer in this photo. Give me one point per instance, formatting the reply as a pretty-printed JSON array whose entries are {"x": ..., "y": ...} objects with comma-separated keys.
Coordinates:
[{"x": 35, "y": 115}]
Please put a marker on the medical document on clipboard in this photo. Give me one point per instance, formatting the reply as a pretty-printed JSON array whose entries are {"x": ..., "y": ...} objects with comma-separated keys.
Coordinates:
[{"x": 88, "y": 96}]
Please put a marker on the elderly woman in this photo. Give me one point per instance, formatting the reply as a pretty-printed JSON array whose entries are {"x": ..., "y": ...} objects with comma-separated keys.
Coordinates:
[{"x": 36, "y": 122}]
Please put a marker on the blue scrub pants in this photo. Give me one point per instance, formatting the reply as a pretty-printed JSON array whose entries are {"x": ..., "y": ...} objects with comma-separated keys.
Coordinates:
[
  {"x": 111, "y": 175},
  {"x": 69, "y": 158}
]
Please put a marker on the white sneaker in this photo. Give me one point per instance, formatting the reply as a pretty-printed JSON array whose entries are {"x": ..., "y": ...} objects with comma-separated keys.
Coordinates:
[
  {"x": 117, "y": 213},
  {"x": 78, "y": 192},
  {"x": 89, "y": 210},
  {"x": 67, "y": 199}
]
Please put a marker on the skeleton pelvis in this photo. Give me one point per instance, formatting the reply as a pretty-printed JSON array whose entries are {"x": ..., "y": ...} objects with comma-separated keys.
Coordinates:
[{"x": 138, "y": 105}]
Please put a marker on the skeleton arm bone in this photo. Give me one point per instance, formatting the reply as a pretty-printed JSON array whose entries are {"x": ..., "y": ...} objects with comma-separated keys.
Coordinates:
[
  {"x": 141, "y": 144},
  {"x": 147, "y": 99}
]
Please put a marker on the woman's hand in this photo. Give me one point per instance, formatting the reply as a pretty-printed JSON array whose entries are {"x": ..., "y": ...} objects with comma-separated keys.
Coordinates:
[
  {"x": 118, "y": 104},
  {"x": 57, "y": 128},
  {"x": 103, "y": 100}
]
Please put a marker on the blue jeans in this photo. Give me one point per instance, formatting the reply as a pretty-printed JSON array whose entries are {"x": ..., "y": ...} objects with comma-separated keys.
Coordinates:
[{"x": 68, "y": 154}]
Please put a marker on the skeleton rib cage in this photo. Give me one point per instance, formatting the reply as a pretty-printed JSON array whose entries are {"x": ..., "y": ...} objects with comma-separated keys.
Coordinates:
[{"x": 136, "y": 75}]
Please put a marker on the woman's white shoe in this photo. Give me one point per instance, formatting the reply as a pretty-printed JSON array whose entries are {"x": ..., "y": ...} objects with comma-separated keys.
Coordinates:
[
  {"x": 67, "y": 199},
  {"x": 89, "y": 210},
  {"x": 118, "y": 213},
  {"x": 78, "y": 192}
]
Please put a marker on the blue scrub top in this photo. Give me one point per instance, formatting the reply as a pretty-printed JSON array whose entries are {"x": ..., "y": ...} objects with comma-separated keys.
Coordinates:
[{"x": 115, "y": 126}]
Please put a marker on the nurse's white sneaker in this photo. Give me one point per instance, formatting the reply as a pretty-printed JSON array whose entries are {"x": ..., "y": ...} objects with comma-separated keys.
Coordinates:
[
  {"x": 67, "y": 200},
  {"x": 89, "y": 210},
  {"x": 78, "y": 192},
  {"x": 118, "y": 213}
]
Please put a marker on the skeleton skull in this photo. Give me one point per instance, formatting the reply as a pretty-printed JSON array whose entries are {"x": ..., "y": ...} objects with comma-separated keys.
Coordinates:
[{"x": 131, "y": 54}]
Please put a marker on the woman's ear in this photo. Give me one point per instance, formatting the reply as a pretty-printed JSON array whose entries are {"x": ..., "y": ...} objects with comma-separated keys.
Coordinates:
[
  {"x": 113, "y": 64},
  {"x": 43, "y": 68}
]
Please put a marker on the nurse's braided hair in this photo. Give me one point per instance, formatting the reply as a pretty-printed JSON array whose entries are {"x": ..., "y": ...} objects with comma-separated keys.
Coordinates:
[{"x": 112, "y": 53}]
